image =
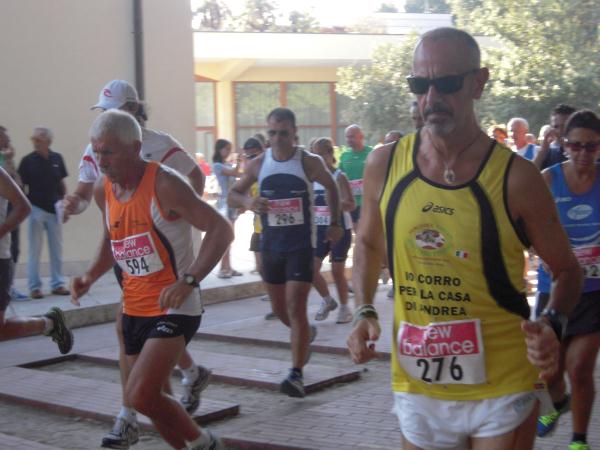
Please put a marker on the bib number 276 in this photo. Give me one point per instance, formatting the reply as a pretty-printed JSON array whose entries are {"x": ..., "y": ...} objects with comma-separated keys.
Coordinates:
[{"x": 442, "y": 352}]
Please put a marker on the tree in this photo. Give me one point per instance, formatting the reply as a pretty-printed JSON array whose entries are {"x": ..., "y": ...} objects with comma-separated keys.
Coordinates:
[
  {"x": 212, "y": 15},
  {"x": 302, "y": 22},
  {"x": 387, "y": 8},
  {"x": 258, "y": 15},
  {"x": 378, "y": 93},
  {"x": 427, "y": 6},
  {"x": 547, "y": 54}
]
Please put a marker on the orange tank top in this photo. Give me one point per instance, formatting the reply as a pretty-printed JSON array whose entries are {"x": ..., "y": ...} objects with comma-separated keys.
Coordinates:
[{"x": 138, "y": 248}]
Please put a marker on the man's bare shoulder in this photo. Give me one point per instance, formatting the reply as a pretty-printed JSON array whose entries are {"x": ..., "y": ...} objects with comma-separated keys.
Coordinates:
[{"x": 379, "y": 157}]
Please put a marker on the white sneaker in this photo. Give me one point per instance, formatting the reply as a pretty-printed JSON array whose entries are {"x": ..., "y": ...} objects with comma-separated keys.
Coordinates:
[
  {"x": 123, "y": 435},
  {"x": 326, "y": 306},
  {"x": 344, "y": 314}
]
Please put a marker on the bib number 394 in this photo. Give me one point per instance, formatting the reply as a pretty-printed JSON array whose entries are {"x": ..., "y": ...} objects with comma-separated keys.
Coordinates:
[
  {"x": 285, "y": 212},
  {"x": 442, "y": 352},
  {"x": 137, "y": 255}
]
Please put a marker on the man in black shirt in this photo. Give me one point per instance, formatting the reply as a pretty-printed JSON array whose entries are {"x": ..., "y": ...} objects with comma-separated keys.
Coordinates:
[
  {"x": 42, "y": 174},
  {"x": 551, "y": 149}
]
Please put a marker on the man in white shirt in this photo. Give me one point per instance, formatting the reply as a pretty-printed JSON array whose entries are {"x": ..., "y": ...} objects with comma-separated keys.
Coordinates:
[{"x": 517, "y": 133}]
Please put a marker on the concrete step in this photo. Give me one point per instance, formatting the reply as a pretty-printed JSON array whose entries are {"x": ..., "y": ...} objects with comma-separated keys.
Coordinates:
[
  {"x": 92, "y": 399},
  {"x": 248, "y": 371}
]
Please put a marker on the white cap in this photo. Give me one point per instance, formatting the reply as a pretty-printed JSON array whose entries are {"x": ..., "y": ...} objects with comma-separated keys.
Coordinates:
[{"x": 115, "y": 94}]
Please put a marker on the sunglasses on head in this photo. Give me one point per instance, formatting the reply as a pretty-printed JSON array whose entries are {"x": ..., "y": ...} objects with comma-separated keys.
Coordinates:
[
  {"x": 588, "y": 147},
  {"x": 444, "y": 85}
]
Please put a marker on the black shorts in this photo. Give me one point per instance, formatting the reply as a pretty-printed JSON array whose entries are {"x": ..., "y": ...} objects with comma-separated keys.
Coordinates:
[
  {"x": 355, "y": 214},
  {"x": 255, "y": 242},
  {"x": 585, "y": 317},
  {"x": 339, "y": 250},
  {"x": 279, "y": 267},
  {"x": 6, "y": 275},
  {"x": 136, "y": 329}
]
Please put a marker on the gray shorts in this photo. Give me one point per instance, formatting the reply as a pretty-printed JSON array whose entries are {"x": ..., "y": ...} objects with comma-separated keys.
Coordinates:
[{"x": 6, "y": 277}]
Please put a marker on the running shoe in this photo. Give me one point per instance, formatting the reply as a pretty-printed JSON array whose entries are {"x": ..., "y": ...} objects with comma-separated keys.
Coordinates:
[
  {"x": 578, "y": 445},
  {"x": 213, "y": 444},
  {"x": 293, "y": 386},
  {"x": 122, "y": 436},
  {"x": 547, "y": 423},
  {"x": 17, "y": 296},
  {"x": 326, "y": 306},
  {"x": 192, "y": 389},
  {"x": 59, "y": 332},
  {"x": 344, "y": 314}
]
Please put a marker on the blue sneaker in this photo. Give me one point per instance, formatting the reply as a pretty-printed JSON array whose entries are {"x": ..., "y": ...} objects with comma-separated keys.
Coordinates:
[
  {"x": 18, "y": 296},
  {"x": 293, "y": 385},
  {"x": 547, "y": 423}
]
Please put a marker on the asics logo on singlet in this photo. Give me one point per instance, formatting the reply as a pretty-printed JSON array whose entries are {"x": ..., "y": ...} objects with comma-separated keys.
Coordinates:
[{"x": 439, "y": 209}]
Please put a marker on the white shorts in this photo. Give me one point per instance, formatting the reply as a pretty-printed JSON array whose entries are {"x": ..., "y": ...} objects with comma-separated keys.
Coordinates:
[{"x": 432, "y": 424}]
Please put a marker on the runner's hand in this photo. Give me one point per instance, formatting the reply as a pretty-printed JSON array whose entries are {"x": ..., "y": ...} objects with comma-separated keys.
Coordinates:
[
  {"x": 334, "y": 233},
  {"x": 70, "y": 204},
  {"x": 259, "y": 205},
  {"x": 543, "y": 348},
  {"x": 174, "y": 295},
  {"x": 360, "y": 342},
  {"x": 79, "y": 287}
]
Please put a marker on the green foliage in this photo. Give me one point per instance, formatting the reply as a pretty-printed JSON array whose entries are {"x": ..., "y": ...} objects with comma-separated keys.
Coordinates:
[
  {"x": 387, "y": 8},
  {"x": 302, "y": 22},
  {"x": 380, "y": 100},
  {"x": 258, "y": 15},
  {"x": 427, "y": 6},
  {"x": 548, "y": 54},
  {"x": 212, "y": 15}
]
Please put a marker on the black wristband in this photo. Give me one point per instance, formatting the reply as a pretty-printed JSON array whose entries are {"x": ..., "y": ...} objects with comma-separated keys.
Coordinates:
[{"x": 558, "y": 322}]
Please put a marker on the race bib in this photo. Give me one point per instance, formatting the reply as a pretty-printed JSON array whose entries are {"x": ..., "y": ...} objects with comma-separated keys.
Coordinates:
[
  {"x": 357, "y": 187},
  {"x": 137, "y": 255},
  {"x": 322, "y": 215},
  {"x": 443, "y": 352},
  {"x": 589, "y": 260},
  {"x": 285, "y": 212}
]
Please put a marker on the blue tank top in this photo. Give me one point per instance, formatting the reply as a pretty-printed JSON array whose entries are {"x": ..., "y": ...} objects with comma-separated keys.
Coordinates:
[
  {"x": 580, "y": 217},
  {"x": 288, "y": 226},
  {"x": 322, "y": 213},
  {"x": 529, "y": 152}
]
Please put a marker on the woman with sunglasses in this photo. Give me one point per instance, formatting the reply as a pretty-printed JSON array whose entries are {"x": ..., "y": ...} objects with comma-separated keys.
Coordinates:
[{"x": 575, "y": 186}]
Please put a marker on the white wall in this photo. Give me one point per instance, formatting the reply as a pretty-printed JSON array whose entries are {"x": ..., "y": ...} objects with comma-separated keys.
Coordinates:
[{"x": 57, "y": 55}]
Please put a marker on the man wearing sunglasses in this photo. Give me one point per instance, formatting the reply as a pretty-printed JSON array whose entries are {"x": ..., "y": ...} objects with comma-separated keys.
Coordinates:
[{"x": 446, "y": 205}]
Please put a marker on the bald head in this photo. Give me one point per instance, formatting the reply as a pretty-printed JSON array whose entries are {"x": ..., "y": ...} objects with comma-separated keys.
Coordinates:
[{"x": 355, "y": 138}]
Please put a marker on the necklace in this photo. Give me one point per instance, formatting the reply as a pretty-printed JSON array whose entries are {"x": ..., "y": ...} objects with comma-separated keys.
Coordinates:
[{"x": 449, "y": 174}]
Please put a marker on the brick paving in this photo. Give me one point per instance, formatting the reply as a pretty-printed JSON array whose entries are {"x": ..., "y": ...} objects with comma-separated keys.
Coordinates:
[{"x": 251, "y": 371}]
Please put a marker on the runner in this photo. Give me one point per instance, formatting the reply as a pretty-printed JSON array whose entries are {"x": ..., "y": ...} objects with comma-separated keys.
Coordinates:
[
  {"x": 446, "y": 205},
  {"x": 149, "y": 212},
  {"x": 163, "y": 148},
  {"x": 285, "y": 174},
  {"x": 53, "y": 322},
  {"x": 339, "y": 252},
  {"x": 575, "y": 186}
]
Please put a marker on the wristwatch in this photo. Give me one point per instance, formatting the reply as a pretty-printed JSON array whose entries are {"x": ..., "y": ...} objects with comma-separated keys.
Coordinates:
[
  {"x": 558, "y": 322},
  {"x": 190, "y": 279}
]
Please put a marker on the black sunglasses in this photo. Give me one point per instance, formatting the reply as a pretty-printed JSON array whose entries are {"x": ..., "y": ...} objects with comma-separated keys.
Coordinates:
[
  {"x": 588, "y": 147},
  {"x": 444, "y": 85}
]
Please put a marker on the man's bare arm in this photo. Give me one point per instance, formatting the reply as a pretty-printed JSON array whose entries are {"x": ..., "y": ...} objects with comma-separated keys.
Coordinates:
[
  {"x": 197, "y": 180},
  {"x": 238, "y": 196},
  {"x": 20, "y": 205},
  {"x": 530, "y": 200},
  {"x": 79, "y": 200}
]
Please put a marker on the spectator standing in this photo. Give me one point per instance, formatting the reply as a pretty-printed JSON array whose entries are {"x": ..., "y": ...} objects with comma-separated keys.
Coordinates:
[
  {"x": 43, "y": 172},
  {"x": 226, "y": 174}
]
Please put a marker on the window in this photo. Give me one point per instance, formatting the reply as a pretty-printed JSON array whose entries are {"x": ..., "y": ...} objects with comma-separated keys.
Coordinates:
[
  {"x": 206, "y": 128},
  {"x": 315, "y": 105}
]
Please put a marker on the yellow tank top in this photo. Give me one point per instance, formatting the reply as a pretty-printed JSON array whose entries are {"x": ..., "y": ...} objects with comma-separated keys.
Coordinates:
[{"x": 457, "y": 262}]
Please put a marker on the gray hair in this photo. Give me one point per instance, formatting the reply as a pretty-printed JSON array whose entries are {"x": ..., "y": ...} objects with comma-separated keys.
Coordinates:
[
  {"x": 118, "y": 124},
  {"x": 353, "y": 127},
  {"x": 444, "y": 33},
  {"x": 518, "y": 120},
  {"x": 44, "y": 133}
]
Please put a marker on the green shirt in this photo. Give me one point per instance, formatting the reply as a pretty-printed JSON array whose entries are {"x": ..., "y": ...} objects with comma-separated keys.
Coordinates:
[{"x": 353, "y": 165}]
